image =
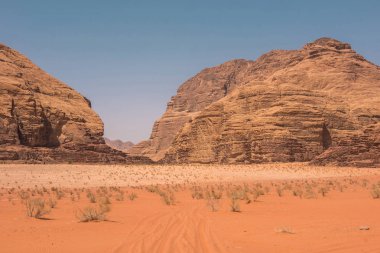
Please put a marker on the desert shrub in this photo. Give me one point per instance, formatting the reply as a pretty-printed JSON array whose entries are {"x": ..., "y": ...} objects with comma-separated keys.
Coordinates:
[
  {"x": 52, "y": 203},
  {"x": 213, "y": 204},
  {"x": 213, "y": 193},
  {"x": 238, "y": 192},
  {"x": 132, "y": 196},
  {"x": 152, "y": 188},
  {"x": 167, "y": 197},
  {"x": 36, "y": 208},
  {"x": 102, "y": 190},
  {"x": 216, "y": 193},
  {"x": 59, "y": 193},
  {"x": 91, "y": 196},
  {"x": 323, "y": 191},
  {"x": 279, "y": 191},
  {"x": 287, "y": 186},
  {"x": 256, "y": 193},
  {"x": 298, "y": 192},
  {"x": 197, "y": 192},
  {"x": 375, "y": 192},
  {"x": 90, "y": 213},
  {"x": 309, "y": 192},
  {"x": 235, "y": 205}
]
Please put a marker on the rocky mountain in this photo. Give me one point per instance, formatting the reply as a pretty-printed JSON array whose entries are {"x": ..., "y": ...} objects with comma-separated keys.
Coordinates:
[
  {"x": 44, "y": 120},
  {"x": 320, "y": 103},
  {"x": 118, "y": 144}
]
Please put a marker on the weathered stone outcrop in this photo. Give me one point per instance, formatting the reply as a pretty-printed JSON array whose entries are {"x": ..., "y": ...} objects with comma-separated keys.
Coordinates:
[
  {"x": 320, "y": 103},
  {"x": 44, "y": 120}
]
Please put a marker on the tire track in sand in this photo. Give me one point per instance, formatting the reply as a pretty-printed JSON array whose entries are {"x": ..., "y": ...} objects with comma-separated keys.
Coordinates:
[{"x": 184, "y": 231}]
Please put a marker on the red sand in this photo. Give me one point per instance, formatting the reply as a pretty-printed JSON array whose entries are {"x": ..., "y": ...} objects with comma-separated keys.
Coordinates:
[{"x": 146, "y": 224}]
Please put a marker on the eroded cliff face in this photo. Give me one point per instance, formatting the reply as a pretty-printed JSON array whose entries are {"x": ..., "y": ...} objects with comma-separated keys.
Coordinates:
[
  {"x": 300, "y": 105},
  {"x": 42, "y": 119}
]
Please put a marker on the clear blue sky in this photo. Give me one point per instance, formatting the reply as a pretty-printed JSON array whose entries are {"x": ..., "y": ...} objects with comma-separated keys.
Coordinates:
[{"x": 129, "y": 57}]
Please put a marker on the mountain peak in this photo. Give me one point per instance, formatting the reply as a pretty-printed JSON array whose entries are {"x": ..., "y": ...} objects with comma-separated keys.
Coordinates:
[{"x": 329, "y": 43}]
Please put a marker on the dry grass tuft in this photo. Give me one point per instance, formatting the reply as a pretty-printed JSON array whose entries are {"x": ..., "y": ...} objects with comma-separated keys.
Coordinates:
[
  {"x": 36, "y": 208},
  {"x": 235, "y": 205},
  {"x": 132, "y": 196},
  {"x": 375, "y": 192}
]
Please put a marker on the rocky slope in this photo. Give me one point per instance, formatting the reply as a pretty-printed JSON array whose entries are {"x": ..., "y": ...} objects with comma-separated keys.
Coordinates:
[
  {"x": 42, "y": 119},
  {"x": 320, "y": 103},
  {"x": 119, "y": 145}
]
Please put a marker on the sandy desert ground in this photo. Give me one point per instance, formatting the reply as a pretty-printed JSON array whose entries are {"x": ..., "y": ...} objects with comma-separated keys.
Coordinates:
[{"x": 193, "y": 208}]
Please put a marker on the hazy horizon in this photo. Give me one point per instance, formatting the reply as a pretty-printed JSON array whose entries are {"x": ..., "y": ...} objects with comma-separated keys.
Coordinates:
[{"x": 129, "y": 57}]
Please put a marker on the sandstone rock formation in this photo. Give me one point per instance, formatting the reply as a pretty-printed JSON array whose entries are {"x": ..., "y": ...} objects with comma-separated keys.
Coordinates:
[
  {"x": 320, "y": 103},
  {"x": 42, "y": 119},
  {"x": 119, "y": 145}
]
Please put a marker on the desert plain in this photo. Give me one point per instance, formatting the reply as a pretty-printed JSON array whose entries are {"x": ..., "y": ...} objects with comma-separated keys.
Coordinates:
[{"x": 269, "y": 208}]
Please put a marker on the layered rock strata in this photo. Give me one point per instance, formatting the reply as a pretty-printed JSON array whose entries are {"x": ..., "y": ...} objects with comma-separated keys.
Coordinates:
[{"x": 320, "y": 103}]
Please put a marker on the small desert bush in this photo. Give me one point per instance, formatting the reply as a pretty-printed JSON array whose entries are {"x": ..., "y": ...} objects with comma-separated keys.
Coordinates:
[
  {"x": 213, "y": 193},
  {"x": 102, "y": 191},
  {"x": 213, "y": 196},
  {"x": 364, "y": 183},
  {"x": 213, "y": 204},
  {"x": 36, "y": 208},
  {"x": 309, "y": 192},
  {"x": 236, "y": 195},
  {"x": 340, "y": 187},
  {"x": 91, "y": 196},
  {"x": 279, "y": 191},
  {"x": 375, "y": 192},
  {"x": 197, "y": 192},
  {"x": 152, "y": 188},
  {"x": 297, "y": 192},
  {"x": 168, "y": 197},
  {"x": 132, "y": 196},
  {"x": 52, "y": 203},
  {"x": 59, "y": 193},
  {"x": 323, "y": 191},
  {"x": 90, "y": 213},
  {"x": 256, "y": 193},
  {"x": 235, "y": 205}
]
